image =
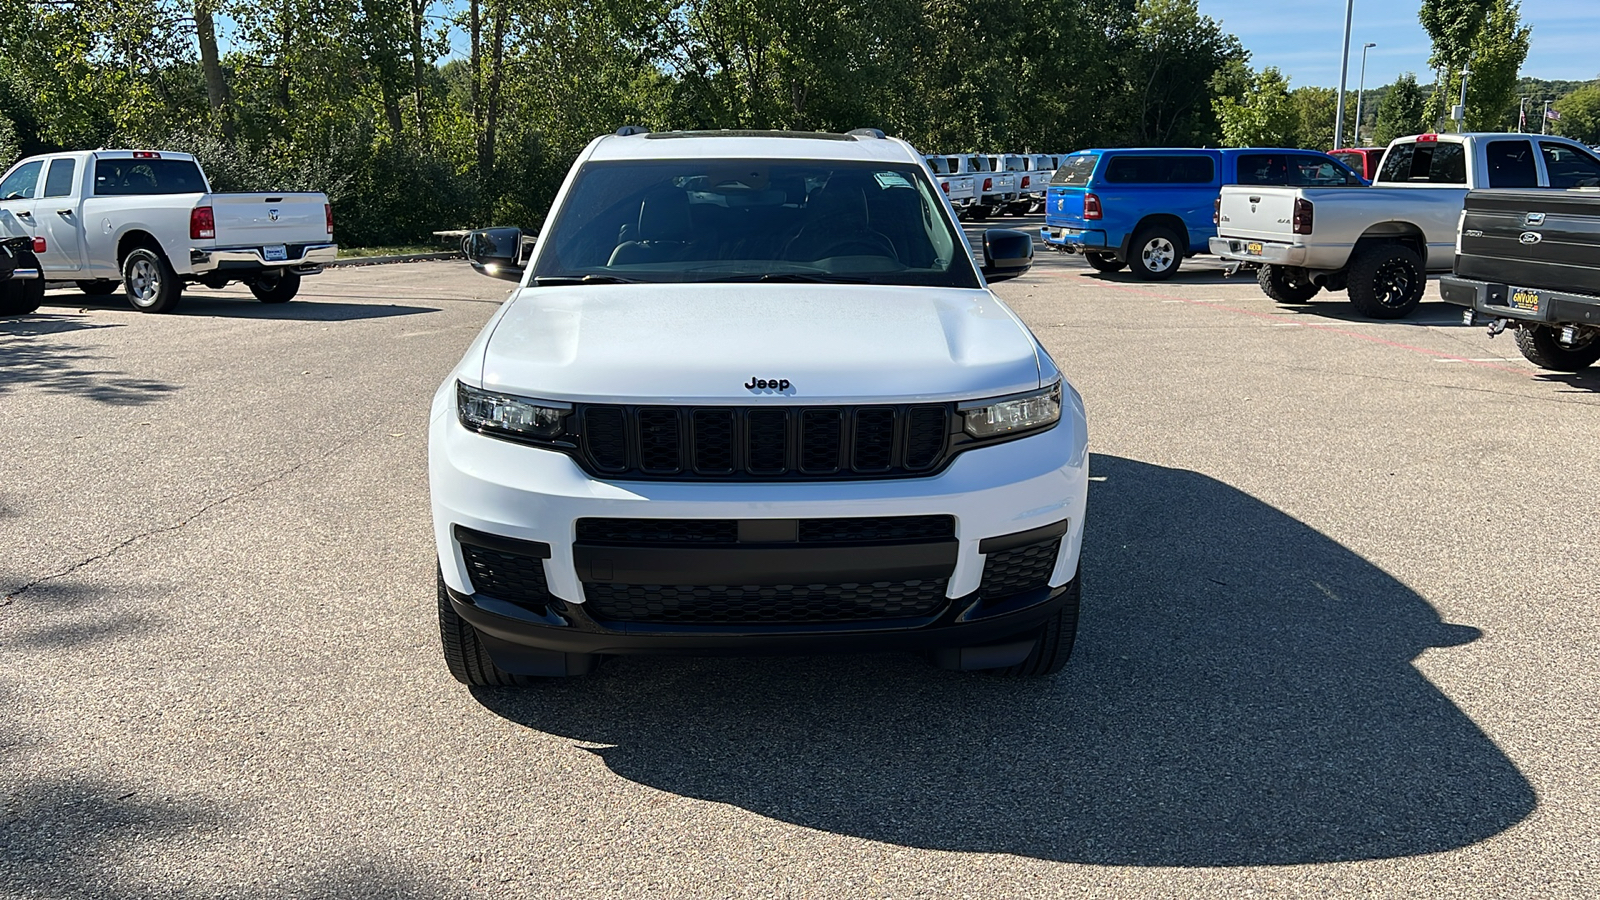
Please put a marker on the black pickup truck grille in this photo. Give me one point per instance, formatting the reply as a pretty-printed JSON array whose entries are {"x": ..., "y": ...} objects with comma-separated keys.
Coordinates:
[{"x": 769, "y": 443}]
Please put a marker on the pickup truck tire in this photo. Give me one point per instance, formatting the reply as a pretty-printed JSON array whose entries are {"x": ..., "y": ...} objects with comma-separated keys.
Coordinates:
[
  {"x": 1542, "y": 346},
  {"x": 97, "y": 288},
  {"x": 1279, "y": 283},
  {"x": 275, "y": 286},
  {"x": 1103, "y": 262},
  {"x": 149, "y": 282},
  {"x": 1154, "y": 254},
  {"x": 1053, "y": 644},
  {"x": 1386, "y": 281},
  {"x": 469, "y": 662},
  {"x": 18, "y": 298}
]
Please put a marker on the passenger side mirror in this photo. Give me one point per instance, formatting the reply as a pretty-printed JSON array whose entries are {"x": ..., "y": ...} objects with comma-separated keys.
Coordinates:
[
  {"x": 496, "y": 252},
  {"x": 1006, "y": 253}
]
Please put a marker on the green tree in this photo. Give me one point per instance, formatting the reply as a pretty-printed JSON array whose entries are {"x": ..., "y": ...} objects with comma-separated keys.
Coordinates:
[
  {"x": 1316, "y": 107},
  {"x": 10, "y": 147},
  {"x": 1266, "y": 116},
  {"x": 1498, "y": 51},
  {"x": 1402, "y": 112},
  {"x": 1453, "y": 26},
  {"x": 1171, "y": 54},
  {"x": 1580, "y": 114}
]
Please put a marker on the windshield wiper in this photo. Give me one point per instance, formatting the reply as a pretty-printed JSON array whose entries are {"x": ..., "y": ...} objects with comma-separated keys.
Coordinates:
[
  {"x": 798, "y": 277},
  {"x": 547, "y": 280}
]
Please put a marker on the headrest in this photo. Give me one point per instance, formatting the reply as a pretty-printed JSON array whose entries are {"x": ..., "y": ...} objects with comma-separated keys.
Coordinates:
[{"x": 665, "y": 217}]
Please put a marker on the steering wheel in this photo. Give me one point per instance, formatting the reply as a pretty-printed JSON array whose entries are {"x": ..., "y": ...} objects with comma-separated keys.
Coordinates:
[{"x": 870, "y": 243}]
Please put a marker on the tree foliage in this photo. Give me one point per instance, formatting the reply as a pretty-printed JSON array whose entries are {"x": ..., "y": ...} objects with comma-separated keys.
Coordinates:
[
  {"x": 366, "y": 99},
  {"x": 1266, "y": 116},
  {"x": 1316, "y": 107},
  {"x": 1580, "y": 114},
  {"x": 1486, "y": 36},
  {"x": 1402, "y": 111}
]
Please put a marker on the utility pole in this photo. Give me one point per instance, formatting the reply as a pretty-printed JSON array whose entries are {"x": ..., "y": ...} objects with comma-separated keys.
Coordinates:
[
  {"x": 1460, "y": 112},
  {"x": 1360, "y": 87},
  {"x": 1344, "y": 72}
]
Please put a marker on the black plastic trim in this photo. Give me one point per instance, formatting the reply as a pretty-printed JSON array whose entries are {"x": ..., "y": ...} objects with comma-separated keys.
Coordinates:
[
  {"x": 763, "y": 565},
  {"x": 1023, "y": 538},
  {"x": 534, "y": 549}
]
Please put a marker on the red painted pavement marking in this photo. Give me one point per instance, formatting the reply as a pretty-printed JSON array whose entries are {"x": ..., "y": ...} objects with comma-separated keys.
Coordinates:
[{"x": 1435, "y": 354}]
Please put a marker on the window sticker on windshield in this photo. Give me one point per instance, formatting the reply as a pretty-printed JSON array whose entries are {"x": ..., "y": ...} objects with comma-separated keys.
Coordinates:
[{"x": 891, "y": 180}]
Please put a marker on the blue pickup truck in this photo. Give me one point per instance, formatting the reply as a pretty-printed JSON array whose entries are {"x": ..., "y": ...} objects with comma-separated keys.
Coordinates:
[{"x": 1148, "y": 209}]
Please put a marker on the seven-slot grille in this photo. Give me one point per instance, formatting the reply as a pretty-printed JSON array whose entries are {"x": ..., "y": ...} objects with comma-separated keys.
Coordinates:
[{"x": 764, "y": 443}]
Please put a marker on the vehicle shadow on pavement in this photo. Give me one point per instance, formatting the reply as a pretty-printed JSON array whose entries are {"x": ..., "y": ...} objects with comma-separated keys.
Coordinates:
[
  {"x": 245, "y": 307},
  {"x": 66, "y": 368},
  {"x": 1336, "y": 307},
  {"x": 1241, "y": 694}
]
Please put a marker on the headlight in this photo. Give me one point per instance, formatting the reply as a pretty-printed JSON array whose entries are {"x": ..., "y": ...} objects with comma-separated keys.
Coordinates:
[
  {"x": 1017, "y": 413},
  {"x": 513, "y": 416}
]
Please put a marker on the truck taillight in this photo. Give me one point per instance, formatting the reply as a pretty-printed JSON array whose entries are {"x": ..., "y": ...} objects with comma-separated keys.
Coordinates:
[
  {"x": 1427, "y": 139},
  {"x": 988, "y": 184},
  {"x": 1026, "y": 179},
  {"x": 1091, "y": 206},
  {"x": 39, "y": 245},
  {"x": 202, "y": 224},
  {"x": 327, "y": 212},
  {"x": 943, "y": 186},
  {"x": 1216, "y": 211},
  {"x": 1302, "y": 215}
]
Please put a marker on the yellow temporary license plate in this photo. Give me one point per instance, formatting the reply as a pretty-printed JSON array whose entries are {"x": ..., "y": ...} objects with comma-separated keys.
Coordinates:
[
  {"x": 1524, "y": 300},
  {"x": 1254, "y": 249}
]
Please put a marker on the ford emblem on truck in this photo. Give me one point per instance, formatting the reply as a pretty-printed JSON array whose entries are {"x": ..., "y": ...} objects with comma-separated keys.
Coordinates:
[{"x": 1531, "y": 237}]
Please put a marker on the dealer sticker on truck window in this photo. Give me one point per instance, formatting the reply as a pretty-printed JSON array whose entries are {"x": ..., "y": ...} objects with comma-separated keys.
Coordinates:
[
  {"x": 1524, "y": 300},
  {"x": 275, "y": 253}
]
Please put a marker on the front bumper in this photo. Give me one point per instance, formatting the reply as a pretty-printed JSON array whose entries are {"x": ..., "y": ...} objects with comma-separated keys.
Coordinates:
[
  {"x": 1500, "y": 301},
  {"x": 1270, "y": 254},
  {"x": 486, "y": 489},
  {"x": 305, "y": 258}
]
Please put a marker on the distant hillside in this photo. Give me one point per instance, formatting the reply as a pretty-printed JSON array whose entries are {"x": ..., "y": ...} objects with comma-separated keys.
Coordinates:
[{"x": 1537, "y": 90}]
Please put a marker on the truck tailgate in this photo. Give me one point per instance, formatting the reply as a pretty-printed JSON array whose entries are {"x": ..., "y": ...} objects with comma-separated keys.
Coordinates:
[
  {"x": 1544, "y": 239},
  {"x": 1258, "y": 213},
  {"x": 259, "y": 220}
]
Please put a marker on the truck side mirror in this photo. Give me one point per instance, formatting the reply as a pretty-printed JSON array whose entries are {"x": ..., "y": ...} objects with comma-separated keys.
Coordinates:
[
  {"x": 496, "y": 252},
  {"x": 1006, "y": 253}
]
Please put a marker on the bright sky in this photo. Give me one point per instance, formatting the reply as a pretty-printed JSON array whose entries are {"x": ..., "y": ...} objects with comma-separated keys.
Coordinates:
[{"x": 1303, "y": 38}]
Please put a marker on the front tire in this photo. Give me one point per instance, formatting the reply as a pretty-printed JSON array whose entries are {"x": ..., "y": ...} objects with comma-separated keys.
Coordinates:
[
  {"x": 1053, "y": 644},
  {"x": 149, "y": 282},
  {"x": 1387, "y": 281},
  {"x": 1542, "y": 346},
  {"x": 276, "y": 286},
  {"x": 1103, "y": 262},
  {"x": 1280, "y": 283},
  {"x": 465, "y": 654},
  {"x": 1155, "y": 254}
]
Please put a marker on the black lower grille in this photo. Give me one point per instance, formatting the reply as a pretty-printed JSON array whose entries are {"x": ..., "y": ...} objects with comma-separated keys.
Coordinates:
[
  {"x": 861, "y": 530},
  {"x": 506, "y": 576},
  {"x": 1010, "y": 572},
  {"x": 765, "y": 443},
  {"x": 761, "y": 604}
]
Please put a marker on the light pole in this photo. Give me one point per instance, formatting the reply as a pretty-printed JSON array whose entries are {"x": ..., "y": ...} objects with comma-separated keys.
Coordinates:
[
  {"x": 1544, "y": 122},
  {"x": 1460, "y": 112},
  {"x": 1360, "y": 86},
  {"x": 1344, "y": 72}
]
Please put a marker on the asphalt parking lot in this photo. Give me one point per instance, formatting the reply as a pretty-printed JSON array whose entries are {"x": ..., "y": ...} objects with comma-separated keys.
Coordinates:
[{"x": 1339, "y": 633}]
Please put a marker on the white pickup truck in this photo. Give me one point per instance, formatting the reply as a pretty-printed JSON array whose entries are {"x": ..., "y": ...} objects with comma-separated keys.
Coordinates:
[
  {"x": 149, "y": 220},
  {"x": 961, "y": 190},
  {"x": 1381, "y": 241}
]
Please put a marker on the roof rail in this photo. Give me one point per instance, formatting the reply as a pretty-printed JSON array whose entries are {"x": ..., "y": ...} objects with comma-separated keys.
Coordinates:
[
  {"x": 629, "y": 130},
  {"x": 868, "y": 132}
]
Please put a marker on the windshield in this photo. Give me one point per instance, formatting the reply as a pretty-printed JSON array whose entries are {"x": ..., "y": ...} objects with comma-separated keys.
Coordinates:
[{"x": 697, "y": 220}]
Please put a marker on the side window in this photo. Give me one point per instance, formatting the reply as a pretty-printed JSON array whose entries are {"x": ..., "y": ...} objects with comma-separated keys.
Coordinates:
[
  {"x": 1160, "y": 170},
  {"x": 937, "y": 165},
  {"x": 19, "y": 185},
  {"x": 1319, "y": 171},
  {"x": 59, "y": 182},
  {"x": 1569, "y": 167},
  {"x": 1511, "y": 164},
  {"x": 1263, "y": 168}
]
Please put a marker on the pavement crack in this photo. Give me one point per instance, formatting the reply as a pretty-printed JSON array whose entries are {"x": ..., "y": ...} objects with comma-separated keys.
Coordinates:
[{"x": 12, "y": 596}]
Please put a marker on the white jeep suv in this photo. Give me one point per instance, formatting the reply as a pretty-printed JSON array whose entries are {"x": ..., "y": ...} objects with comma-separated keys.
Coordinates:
[{"x": 752, "y": 395}]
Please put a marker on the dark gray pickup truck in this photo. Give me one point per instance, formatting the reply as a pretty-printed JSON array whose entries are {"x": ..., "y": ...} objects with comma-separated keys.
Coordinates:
[{"x": 1531, "y": 260}]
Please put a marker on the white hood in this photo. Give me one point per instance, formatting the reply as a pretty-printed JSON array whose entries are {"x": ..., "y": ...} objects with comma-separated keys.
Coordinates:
[{"x": 705, "y": 342}]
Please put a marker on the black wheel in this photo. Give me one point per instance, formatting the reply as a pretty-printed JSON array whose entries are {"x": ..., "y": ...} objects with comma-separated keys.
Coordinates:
[
  {"x": 276, "y": 286},
  {"x": 465, "y": 655},
  {"x": 1542, "y": 345},
  {"x": 1103, "y": 262},
  {"x": 1053, "y": 645},
  {"x": 18, "y": 298},
  {"x": 1386, "y": 281},
  {"x": 149, "y": 282},
  {"x": 1155, "y": 254},
  {"x": 97, "y": 288},
  {"x": 1284, "y": 284}
]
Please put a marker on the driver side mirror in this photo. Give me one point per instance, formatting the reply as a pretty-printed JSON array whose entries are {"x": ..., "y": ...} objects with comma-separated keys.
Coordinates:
[
  {"x": 496, "y": 252},
  {"x": 1006, "y": 254}
]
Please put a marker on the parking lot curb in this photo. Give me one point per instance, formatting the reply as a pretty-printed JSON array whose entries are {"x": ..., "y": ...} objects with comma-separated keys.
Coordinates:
[{"x": 397, "y": 258}]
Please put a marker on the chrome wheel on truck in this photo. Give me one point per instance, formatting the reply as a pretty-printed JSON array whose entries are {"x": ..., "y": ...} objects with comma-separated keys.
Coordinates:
[{"x": 149, "y": 282}]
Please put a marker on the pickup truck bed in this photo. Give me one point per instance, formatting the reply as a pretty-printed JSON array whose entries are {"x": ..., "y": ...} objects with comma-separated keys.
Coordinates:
[{"x": 1531, "y": 259}]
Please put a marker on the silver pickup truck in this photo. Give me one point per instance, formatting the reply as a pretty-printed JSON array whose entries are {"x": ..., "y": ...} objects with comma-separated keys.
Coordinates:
[{"x": 1380, "y": 242}]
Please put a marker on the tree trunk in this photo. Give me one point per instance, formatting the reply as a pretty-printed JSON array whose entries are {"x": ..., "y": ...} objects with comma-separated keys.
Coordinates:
[
  {"x": 216, "y": 84},
  {"x": 491, "y": 92},
  {"x": 419, "y": 9}
]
